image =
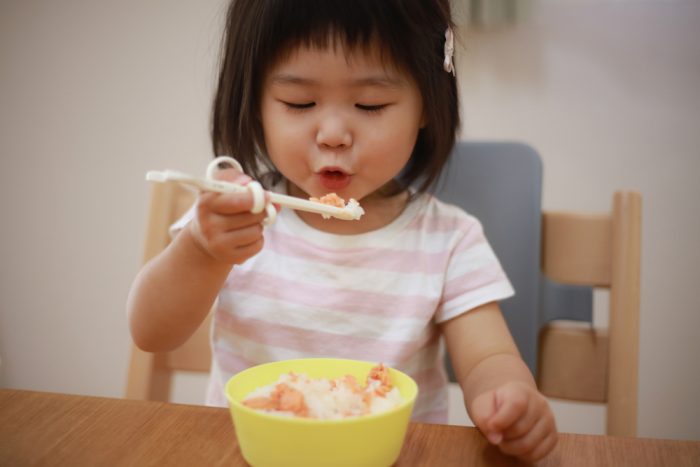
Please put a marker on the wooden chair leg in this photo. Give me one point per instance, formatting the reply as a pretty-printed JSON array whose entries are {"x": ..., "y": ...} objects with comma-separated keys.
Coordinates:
[{"x": 147, "y": 379}]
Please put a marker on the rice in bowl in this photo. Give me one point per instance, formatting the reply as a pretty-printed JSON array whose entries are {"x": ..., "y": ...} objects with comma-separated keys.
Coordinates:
[{"x": 298, "y": 395}]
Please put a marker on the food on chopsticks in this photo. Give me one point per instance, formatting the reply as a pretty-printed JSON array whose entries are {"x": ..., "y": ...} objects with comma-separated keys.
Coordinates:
[
  {"x": 352, "y": 210},
  {"x": 297, "y": 395},
  {"x": 330, "y": 199}
]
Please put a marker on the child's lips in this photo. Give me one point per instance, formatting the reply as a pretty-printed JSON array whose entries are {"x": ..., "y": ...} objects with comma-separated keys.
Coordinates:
[{"x": 334, "y": 180}]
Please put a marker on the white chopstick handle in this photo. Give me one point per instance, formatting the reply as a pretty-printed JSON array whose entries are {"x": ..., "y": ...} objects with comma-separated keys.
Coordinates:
[
  {"x": 255, "y": 188},
  {"x": 352, "y": 211}
]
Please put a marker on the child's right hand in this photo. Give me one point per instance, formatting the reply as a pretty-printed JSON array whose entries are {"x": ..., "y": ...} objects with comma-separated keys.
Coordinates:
[{"x": 223, "y": 226}]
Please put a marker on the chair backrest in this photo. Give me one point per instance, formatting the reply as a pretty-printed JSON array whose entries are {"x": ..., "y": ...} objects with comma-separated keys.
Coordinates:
[
  {"x": 588, "y": 363},
  {"x": 501, "y": 184},
  {"x": 554, "y": 261},
  {"x": 150, "y": 375}
]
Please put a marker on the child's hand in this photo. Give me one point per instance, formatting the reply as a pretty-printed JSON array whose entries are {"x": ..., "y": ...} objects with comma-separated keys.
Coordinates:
[
  {"x": 223, "y": 227},
  {"x": 517, "y": 418}
]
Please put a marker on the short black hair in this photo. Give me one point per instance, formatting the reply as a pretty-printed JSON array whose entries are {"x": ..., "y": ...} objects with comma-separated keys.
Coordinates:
[{"x": 411, "y": 33}]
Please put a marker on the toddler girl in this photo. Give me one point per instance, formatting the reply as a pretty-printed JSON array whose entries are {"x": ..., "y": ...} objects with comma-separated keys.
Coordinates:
[{"x": 358, "y": 98}]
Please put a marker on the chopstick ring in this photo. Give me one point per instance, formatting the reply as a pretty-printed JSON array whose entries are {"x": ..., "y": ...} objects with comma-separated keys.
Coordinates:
[{"x": 253, "y": 186}]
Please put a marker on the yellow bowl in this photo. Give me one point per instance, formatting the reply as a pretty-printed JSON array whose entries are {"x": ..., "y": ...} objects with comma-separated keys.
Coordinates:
[{"x": 271, "y": 440}]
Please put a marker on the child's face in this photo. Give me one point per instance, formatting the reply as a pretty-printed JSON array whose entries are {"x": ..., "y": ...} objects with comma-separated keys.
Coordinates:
[{"x": 339, "y": 123}]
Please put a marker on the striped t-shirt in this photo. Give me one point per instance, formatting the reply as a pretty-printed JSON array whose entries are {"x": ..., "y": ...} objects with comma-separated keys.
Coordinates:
[{"x": 377, "y": 296}]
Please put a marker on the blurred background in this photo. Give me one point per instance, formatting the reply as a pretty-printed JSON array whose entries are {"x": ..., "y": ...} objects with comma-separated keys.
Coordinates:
[{"x": 94, "y": 94}]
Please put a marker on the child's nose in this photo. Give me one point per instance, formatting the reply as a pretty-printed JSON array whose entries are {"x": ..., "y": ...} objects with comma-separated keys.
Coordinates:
[{"x": 334, "y": 132}]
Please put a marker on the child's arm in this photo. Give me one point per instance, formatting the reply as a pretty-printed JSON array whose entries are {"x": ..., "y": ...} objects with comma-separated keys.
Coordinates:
[
  {"x": 499, "y": 391},
  {"x": 173, "y": 292}
]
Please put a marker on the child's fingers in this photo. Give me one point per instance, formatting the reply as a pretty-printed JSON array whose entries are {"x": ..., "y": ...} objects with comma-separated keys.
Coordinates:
[
  {"x": 242, "y": 251},
  {"x": 237, "y": 246},
  {"x": 243, "y": 236},
  {"x": 544, "y": 448},
  {"x": 482, "y": 408},
  {"x": 231, "y": 203},
  {"x": 226, "y": 226},
  {"x": 232, "y": 175},
  {"x": 517, "y": 419},
  {"x": 527, "y": 442},
  {"x": 523, "y": 424},
  {"x": 227, "y": 203},
  {"x": 511, "y": 405},
  {"x": 225, "y": 223},
  {"x": 217, "y": 214},
  {"x": 534, "y": 444}
]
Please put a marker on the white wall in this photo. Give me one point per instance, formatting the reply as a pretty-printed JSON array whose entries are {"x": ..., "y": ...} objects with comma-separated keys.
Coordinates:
[{"x": 94, "y": 94}]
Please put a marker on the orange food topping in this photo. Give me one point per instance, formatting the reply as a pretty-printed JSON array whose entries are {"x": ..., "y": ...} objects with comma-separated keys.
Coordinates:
[
  {"x": 284, "y": 398},
  {"x": 331, "y": 199},
  {"x": 380, "y": 373}
]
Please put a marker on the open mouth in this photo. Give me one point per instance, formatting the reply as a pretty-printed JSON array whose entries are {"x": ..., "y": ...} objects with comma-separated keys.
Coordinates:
[{"x": 334, "y": 179}]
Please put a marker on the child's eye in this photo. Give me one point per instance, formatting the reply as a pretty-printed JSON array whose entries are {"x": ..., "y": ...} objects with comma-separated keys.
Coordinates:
[
  {"x": 299, "y": 105},
  {"x": 371, "y": 108}
]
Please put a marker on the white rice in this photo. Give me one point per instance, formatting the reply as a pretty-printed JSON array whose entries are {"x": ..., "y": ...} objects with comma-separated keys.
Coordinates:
[{"x": 326, "y": 402}]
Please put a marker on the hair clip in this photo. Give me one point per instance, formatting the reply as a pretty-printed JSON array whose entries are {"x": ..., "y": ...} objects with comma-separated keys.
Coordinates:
[{"x": 448, "y": 65}]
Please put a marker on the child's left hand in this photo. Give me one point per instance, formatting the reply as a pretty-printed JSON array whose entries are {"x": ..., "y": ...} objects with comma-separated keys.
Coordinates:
[{"x": 516, "y": 418}]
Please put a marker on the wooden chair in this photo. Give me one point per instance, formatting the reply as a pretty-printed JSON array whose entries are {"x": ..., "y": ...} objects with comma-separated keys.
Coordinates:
[
  {"x": 572, "y": 362},
  {"x": 553, "y": 261},
  {"x": 586, "y": 363},
  {"x": 150, "y": 375}
]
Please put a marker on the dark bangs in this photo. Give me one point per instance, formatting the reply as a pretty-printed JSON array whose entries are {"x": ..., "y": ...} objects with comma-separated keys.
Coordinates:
[{"x": 410, "y": 35}]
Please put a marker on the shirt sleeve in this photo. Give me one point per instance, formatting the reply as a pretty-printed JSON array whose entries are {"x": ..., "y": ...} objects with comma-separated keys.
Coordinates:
[{"x": 474, "y": 275}]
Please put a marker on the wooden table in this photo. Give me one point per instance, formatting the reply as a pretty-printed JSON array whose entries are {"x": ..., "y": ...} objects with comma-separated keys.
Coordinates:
[{"x": 39, "y": 428}]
